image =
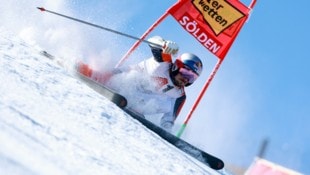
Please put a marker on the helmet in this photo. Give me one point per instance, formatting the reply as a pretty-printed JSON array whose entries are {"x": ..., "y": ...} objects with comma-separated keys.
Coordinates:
[{"x": 188, "y": 61}]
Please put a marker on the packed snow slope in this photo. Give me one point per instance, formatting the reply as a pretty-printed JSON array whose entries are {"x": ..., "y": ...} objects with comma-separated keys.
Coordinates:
[{"x": 51, "y": 123}]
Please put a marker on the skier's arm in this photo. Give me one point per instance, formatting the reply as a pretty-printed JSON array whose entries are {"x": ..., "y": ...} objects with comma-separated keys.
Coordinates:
[
  {"x": 163, "y": 50},
  {"x": 159, "y": 56},
  {"x": 167, "y": 121},
  {"x": 178, "y": 105}
]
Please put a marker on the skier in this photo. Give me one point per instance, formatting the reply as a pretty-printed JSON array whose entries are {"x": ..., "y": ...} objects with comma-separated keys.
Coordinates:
[{"x": 164, "y": 88}]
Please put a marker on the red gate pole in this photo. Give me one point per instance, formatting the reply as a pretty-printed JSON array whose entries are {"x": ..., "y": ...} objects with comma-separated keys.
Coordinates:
[
  {"x": 204, "y": 89},
  {"x": 251, "y": 6}
]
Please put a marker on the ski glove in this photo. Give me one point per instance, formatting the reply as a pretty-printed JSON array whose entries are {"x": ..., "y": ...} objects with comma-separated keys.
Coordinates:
[
  {"x": 170, "y": 47},
  {"x": 167, "y": 126},
  {"x": 83, "y": 69}
]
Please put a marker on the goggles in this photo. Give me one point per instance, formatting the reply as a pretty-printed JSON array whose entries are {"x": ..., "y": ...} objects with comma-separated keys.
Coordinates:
[{"x": 188, "y": 74}]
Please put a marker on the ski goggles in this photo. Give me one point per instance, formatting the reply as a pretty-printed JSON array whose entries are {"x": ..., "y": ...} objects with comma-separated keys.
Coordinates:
[{"x": 188, "y": 74}]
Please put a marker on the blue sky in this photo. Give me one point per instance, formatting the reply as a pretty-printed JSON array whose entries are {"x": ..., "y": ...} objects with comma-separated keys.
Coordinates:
[{"x": 260, "y": 91}]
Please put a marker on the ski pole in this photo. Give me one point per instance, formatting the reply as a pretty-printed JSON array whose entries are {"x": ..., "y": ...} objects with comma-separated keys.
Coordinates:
[{"x": 98, "y": 26}]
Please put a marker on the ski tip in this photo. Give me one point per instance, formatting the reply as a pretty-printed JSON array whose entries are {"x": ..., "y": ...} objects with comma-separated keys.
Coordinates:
[
  {"x": 41, "y": 8},
  {"x": 218, "y": 165}
]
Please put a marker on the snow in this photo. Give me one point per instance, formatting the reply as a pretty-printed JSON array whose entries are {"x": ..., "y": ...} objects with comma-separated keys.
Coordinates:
[{"x": 51, "y": 123}]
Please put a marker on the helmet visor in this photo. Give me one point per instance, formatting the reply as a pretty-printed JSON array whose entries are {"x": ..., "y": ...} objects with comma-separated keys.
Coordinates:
[{"x": 188, "y": 74}]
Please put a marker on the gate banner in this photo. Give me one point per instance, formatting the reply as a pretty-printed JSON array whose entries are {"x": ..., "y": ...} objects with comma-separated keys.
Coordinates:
[{"x": 214, "y": 23}]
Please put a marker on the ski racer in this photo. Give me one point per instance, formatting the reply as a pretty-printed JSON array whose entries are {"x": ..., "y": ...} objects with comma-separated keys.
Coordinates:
[{"x": 163, "y": 88}]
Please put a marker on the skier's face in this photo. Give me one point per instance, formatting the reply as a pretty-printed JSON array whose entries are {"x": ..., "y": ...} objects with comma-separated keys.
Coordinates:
[
  {"x": 180, "y": 80},
  {"x": 185, "y": 77}
]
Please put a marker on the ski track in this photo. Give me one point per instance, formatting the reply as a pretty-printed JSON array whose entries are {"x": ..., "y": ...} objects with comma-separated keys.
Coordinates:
[{"x": 50, "y": 123}]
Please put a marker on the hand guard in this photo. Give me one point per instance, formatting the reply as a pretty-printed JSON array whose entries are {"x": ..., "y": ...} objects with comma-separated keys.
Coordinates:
[{"x": 157, "y": 42}]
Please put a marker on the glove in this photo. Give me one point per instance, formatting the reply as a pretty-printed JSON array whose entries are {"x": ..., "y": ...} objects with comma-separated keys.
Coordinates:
[
  {"x": 166, "y": 126},
  {"x": 170, "y": 47},
  {"x": 84, "y": 69}
]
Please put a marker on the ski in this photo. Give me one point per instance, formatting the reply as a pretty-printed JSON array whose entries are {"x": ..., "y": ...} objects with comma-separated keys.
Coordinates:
[
  {"x": 111, "y": 95},
  {"x": 206, "y": 158}
]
